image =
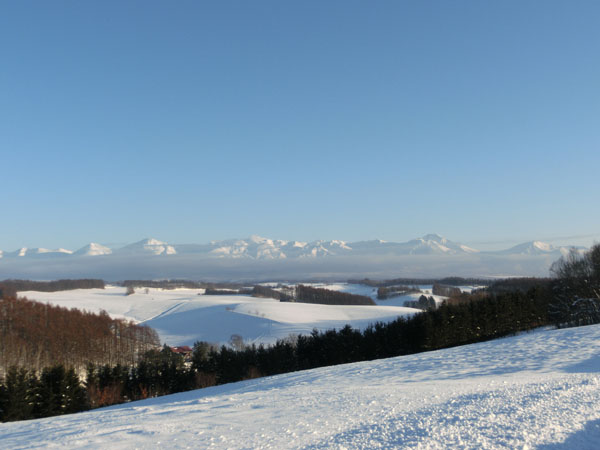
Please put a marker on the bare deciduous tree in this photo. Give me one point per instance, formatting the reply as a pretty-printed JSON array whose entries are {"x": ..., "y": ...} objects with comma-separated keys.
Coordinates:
[{"x": 576, "y": 288}]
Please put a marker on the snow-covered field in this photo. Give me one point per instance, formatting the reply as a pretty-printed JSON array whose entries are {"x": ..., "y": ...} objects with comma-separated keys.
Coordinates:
[
  {"x": 182, "y": 316},
  {"x": 538, "y": 390}
]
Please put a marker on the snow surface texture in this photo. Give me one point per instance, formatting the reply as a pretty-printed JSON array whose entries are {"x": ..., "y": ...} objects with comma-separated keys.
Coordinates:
[
  {"x": 538, "y": 390},
  {"x": 249, "y": 259},
  {"x": 182, "y": 317}
]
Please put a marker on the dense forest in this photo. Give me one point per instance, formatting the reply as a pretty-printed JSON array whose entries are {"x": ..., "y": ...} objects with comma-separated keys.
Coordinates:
[
  {"x": 27, "y": 394},
  {"x": 35, "y": 335}
]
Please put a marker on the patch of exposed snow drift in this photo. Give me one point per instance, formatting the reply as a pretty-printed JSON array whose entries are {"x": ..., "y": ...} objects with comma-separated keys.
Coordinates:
[{"x": 538, "y": 390}]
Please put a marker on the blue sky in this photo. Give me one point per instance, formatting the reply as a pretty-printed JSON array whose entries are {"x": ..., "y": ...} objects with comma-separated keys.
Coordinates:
[{"x": 193, "y": 121}]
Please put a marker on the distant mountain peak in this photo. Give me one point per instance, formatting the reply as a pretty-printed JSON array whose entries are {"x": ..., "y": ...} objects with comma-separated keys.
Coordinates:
[
  {"x": 93, "y": 249},
  {"x": 543, "y": 246},
  {"x": 532, "y": 248},
  {"x": 434, "y": 243},
  {"x": 435, "y": 238},
  {"x": 150, "y": 245},
  {"x": 255, "y": 238},
  {"x": 152, "y": 241}
]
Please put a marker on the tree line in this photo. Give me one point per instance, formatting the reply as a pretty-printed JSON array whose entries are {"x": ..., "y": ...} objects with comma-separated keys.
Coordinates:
[
  {"x": 451, "y": 281},
  {"x": 285, "y": 294},
  {"x": 9, "y": 288},
  {"x": 308, "y": 294},
  {"x": 178, "y": 284},
  {"x": 385, "y": 292},
  {"x": 522, "y": 284}
]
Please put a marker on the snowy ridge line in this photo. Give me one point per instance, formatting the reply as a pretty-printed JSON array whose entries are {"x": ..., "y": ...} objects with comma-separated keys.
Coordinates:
[{"x": 167, "y": 311}]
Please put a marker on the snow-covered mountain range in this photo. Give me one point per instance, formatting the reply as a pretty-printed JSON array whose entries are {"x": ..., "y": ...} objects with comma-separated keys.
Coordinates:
[
  {"x": 256, "y": 247},
  {"x": 259, "y": 258}
]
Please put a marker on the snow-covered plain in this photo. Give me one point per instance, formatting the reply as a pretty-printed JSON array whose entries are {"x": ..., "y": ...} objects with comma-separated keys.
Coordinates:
[
  {"x": 182, "y": 316},
  {"x": 538, "y": 390}
]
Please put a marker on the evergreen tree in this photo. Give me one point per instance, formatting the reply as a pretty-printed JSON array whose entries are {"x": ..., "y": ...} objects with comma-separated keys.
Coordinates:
[
  {"x": 51, "y": 390},
  {"x": 17, "y": 395},
  {"x": 75, "y": 396}
]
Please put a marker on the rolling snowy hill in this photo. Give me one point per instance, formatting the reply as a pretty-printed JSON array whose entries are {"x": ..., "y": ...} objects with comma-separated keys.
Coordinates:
[
  {"x": 538, "y": 390},
  {"x": 182, "y": 316}
]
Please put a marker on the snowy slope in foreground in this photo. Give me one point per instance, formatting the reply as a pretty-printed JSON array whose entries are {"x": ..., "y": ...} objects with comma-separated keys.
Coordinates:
[{"x": 538, "y": 390}]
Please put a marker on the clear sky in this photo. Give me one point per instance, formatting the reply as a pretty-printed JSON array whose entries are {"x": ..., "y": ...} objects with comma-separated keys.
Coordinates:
[{"x": 192, "y": 121}]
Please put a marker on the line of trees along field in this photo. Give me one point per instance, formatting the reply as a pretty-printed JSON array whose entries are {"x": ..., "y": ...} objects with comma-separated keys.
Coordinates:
[
  {"x": 452, "y": 281},
  {"x": 9, "y": 288},
  {"x": 308, "y": 294}
]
